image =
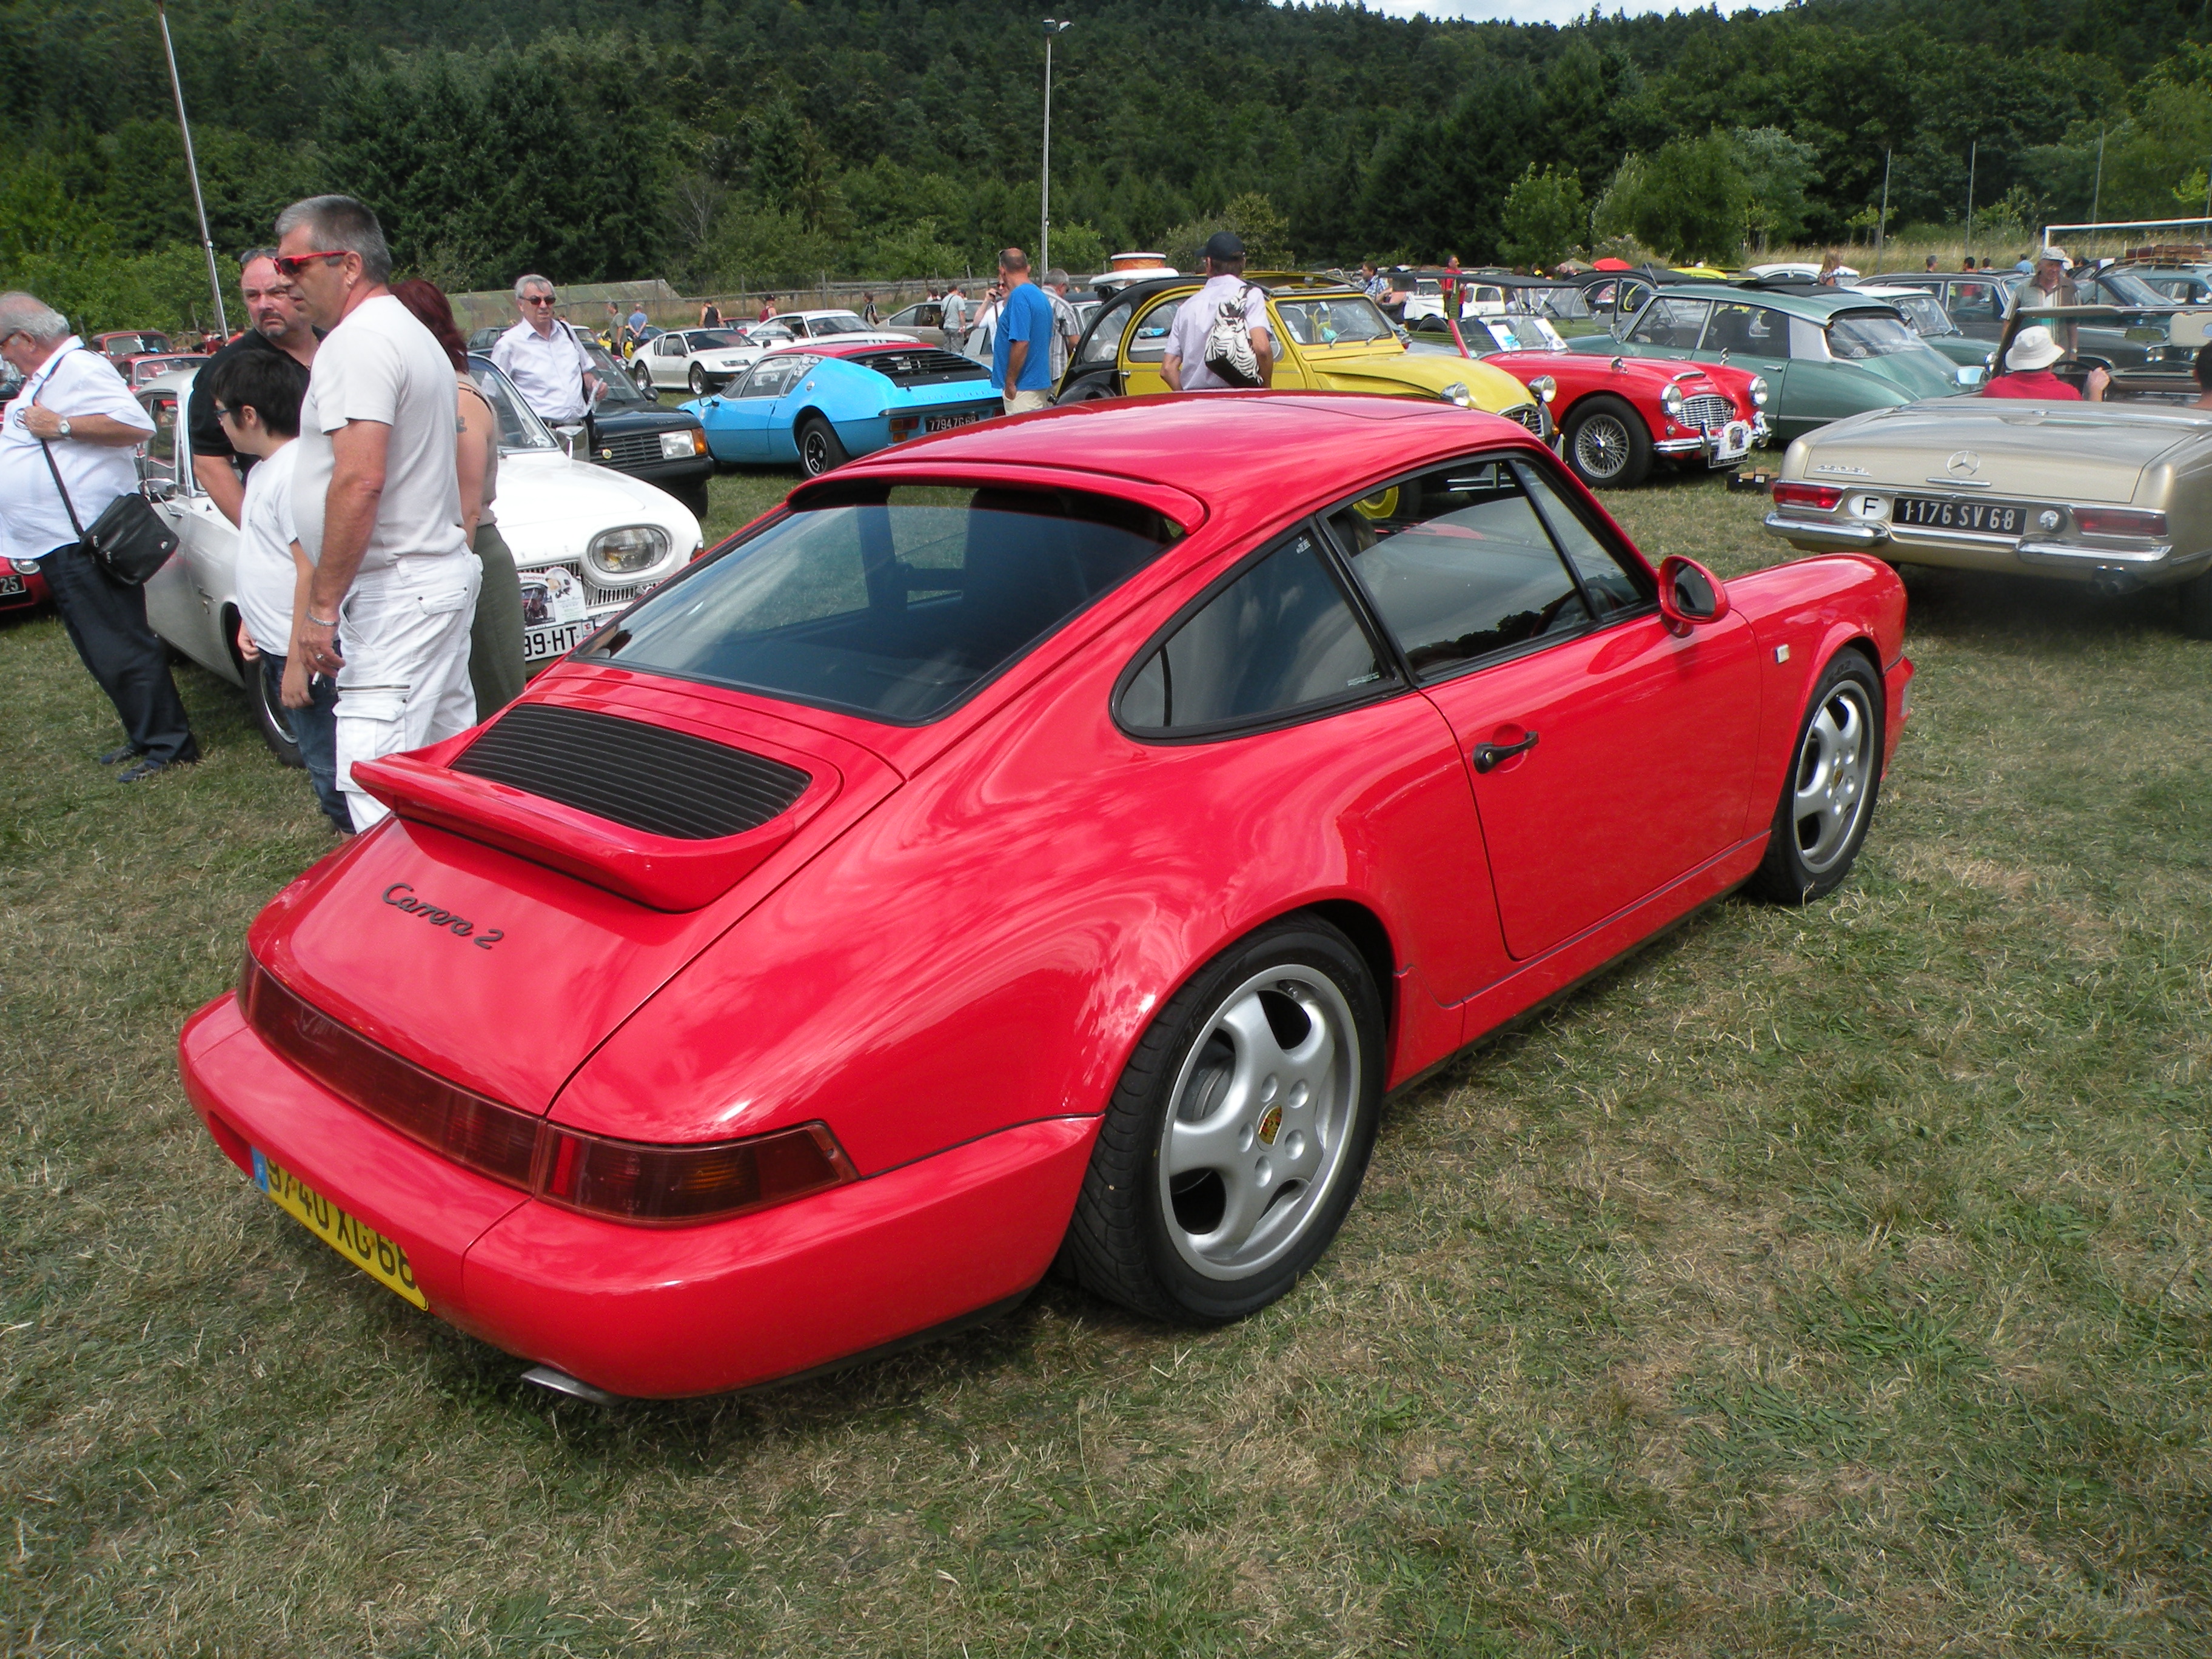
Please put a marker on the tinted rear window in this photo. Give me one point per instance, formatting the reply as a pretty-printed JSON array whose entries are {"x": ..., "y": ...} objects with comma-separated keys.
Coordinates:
[
  {"x": 922, "y": 366},
  {"x": 893, "y": 604}
]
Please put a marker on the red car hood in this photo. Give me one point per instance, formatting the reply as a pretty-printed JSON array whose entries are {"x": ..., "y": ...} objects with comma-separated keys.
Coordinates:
[{"x": 496, "y": 937}]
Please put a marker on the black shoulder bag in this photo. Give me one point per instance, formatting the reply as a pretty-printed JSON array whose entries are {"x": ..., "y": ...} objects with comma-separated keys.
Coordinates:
[{"x": 129, "y": 540}]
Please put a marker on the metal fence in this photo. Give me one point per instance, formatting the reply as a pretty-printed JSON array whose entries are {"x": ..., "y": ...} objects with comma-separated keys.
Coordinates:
[{"x": 585, "y": 303}]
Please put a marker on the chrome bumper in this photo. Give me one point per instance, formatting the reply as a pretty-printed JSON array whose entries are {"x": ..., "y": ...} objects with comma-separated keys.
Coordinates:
[
  {"x": 1707, "y": 443},
  {"x": 1830, "y": 537},
  {"x": 2068, "y": 553}
]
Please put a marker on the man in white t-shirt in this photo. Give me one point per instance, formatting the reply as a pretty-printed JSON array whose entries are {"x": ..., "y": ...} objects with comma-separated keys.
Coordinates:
[
  {"x": 1184, "y": 366},
  {"x": 256, "y": 396},
  {"x": 377, "y": 499},
  {"x": 956, "y": 317},
  {"x": 543, "y": 358}
]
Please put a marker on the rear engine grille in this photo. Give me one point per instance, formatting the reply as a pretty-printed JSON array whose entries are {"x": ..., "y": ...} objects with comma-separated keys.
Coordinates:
[
  {"x": 664, "y": 782},
  {"x": 1707, "y": 412},
  {"x": 629, "y": 449},
  {"x": 922, "y": 366},
  {"x": 1529, "y": 415}
]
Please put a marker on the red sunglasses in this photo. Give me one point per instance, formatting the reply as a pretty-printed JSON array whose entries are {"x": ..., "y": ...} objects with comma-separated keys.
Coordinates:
[{"x": 289, "y": 266}]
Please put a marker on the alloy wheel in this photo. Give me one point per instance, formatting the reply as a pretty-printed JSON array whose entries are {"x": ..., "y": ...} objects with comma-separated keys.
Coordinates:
[
  {"x": 1834, "y": 766},
  {"x": 1261, "y": 1121}
]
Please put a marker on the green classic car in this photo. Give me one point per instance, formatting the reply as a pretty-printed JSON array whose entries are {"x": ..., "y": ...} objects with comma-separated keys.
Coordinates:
[{"x": 1825, "y": 353}]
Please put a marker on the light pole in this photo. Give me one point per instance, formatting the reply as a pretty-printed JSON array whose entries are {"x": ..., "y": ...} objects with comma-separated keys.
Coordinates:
[
  {"x": 193, "y": 171},
  {"x": 1044, "y": 196}
]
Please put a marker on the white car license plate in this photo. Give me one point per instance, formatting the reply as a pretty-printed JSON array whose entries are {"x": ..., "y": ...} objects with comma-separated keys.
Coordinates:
[
  {"x": 1732, "y": 443},
  {"x": 554, "y": 641},
  {"x": 10, "y": 585},
  {"x": 946, "y": 423}
]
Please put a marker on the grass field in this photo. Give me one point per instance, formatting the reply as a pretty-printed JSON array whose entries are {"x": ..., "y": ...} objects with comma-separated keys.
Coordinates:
[{"x": 1832, "y": 1281}]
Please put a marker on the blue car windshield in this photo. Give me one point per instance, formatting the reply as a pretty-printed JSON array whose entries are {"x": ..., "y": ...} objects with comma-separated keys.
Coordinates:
[{"x": 889, "y": 602}]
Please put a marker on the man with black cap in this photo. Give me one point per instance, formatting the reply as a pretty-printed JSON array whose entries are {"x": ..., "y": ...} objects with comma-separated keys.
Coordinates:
[{"x": 1226, "y": 298}]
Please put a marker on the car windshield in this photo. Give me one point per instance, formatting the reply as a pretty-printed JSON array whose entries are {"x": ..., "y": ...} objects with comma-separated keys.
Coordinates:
[
  {"x": 1922, "y": 311},
  {"x": 1857, "y": 335},
  {"x": 519, "y": 428},
  {"x": 617, "y": 388},
  {"x": 837, "y": 322},
  {"x": 1342, "y": 321},
  {"x": 2127, "y": 288},
  {"x": 717, "y": 339},
  {"x": 1511, "y": 333},
  {"x": 892, "y": 602}
]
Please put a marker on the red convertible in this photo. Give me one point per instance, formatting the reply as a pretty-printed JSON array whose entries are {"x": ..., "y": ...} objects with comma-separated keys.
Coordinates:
[
  {"x": 1043, "y": 843},
  {"x": 1617, "y": 415}
]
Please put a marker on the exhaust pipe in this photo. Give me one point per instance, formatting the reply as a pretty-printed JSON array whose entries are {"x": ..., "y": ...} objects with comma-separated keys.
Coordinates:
[
  {"x": 2113, "y": 583},
  {"x": 561, "y": 1382}
]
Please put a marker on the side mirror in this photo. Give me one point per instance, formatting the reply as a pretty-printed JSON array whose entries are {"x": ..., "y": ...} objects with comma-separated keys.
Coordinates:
[
  {"x": 1690, "y": 594},
  {"x": 1970, "y": 375}
]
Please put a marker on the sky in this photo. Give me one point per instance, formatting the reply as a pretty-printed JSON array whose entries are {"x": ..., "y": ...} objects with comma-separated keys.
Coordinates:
[{"x": 1540, "y": 11}]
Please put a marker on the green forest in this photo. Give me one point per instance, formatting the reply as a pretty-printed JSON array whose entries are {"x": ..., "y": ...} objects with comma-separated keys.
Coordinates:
[{"x": 728, "y": 144}]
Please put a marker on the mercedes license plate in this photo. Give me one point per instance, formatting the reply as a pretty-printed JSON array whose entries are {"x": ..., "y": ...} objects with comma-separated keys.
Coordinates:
[
  {"x": 552, "y": 642},
  {"x": 1977, "y": 518},
  {"x": 946, "y": 423}
]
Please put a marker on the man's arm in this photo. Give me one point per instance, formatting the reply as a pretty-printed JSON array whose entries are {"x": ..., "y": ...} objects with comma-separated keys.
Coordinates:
[
  {"x": 102, "y": 430},
  {"x": 219, "y": 479},
  {"x": 1018, "y": 352},
  {"x": 358, "y": 450},
  {"x": 1263, "y": 348},
  {"x": 1171, "y": 371}
]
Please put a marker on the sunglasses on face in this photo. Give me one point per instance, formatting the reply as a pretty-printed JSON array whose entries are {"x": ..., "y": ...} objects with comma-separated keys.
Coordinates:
[
  {"x": 289, "y": 266},
  {"x": 538, "y": 300}
]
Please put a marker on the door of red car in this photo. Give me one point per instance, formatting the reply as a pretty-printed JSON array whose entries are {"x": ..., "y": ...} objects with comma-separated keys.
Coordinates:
[{"x": 1608, "y": 756}]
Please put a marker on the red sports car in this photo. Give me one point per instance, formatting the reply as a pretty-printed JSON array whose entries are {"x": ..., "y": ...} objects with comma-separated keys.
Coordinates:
[
  {"x": 22, "y": 587},
  {"x": 1044, "y": 842},
  {"x": 1617, "y": 415}
]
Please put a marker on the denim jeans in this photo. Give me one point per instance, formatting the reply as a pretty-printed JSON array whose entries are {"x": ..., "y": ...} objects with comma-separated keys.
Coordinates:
[{"x": 315, "y": 729}]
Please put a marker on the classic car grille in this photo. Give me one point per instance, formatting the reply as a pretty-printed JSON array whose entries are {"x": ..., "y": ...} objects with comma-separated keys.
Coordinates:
[
  {"x": 629, "y": 449},
  {"x": 664, "y": 782},
  {"x": 1529, "y": 415},
  {"x": 1707, "y": 412}
]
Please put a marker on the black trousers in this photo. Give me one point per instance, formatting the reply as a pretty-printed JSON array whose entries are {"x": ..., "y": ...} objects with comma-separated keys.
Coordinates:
[{"x": 107, "y": 623}]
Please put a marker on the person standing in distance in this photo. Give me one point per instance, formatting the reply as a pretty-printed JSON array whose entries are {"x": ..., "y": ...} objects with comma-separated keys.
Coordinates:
[
  {"x": 1065, "y": 330},
  {"x": 377, "y": 499},
  {"x": 956, "y": 317},
  {"x": 544, "y": 358},
  {"x": 639, "y": 322},
  {"x": 72, "y": 428},
  {"x": 1184, "y": 366},
  {"x": 276, "y": 323},
  {"x": 1021, "y": 351}
]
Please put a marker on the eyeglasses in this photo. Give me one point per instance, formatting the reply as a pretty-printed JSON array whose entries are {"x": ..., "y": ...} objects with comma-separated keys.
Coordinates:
[
  {"x": 221, "y": 413},
  {"x": 291, "y": 265},
  {"x": 538, "y": 300}
]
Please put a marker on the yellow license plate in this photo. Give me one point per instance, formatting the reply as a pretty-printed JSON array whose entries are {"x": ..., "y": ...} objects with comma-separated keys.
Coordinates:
[{"x": 379, "y": 1257}]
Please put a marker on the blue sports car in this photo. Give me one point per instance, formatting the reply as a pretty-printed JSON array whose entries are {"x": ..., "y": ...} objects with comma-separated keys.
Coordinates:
[{"x": 819, "y": 405}]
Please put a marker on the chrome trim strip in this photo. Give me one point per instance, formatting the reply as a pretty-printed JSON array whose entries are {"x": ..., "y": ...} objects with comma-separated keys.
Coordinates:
[
  {"x": 1844, "y": 535},
  {"x": 1961, "y": 484},
  {"x": 2074, "y": 553}
]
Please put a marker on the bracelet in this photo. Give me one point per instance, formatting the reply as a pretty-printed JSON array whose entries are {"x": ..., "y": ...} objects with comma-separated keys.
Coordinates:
[{"x": 319, "y": 622}]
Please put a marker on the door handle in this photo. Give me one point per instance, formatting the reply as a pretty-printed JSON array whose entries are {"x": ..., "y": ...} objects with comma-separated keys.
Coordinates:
[{"x": 1488, "y": 755}]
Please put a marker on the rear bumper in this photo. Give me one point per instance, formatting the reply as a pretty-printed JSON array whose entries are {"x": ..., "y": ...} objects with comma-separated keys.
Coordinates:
[
  {"x": 659, "y": 1312},
  {"x": 2144, "y": 565}
]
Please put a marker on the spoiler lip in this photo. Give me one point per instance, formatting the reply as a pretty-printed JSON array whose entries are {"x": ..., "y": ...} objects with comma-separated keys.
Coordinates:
[{"x": 660, "y": 872}]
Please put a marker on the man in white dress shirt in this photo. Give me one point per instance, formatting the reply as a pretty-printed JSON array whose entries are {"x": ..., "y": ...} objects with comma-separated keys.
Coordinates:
[
  {"x": 543, "y": 358},
  {"x": 73, "y": 400}
]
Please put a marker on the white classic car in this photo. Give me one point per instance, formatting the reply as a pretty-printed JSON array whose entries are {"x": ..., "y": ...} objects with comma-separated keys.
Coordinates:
[
  {"x": 843, "y": 327},
  {"x": 587, "y": 541},
  {"x": 704, "y": 359}
]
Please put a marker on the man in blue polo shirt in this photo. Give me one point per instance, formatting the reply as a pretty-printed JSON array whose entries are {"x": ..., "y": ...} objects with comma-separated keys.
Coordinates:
[{"x": 1021, "y": 353}]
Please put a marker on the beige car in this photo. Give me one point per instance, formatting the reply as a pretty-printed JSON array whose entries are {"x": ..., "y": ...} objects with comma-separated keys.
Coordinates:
[{"x": 2118, "y": 495}]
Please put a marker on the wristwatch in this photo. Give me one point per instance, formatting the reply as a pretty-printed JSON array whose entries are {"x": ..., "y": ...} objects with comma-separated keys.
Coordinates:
[{"x": 63, "y": 429}]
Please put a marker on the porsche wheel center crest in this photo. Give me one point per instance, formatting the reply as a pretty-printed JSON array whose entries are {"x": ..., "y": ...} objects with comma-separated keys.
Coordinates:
[{"x": 1271, "y": 1125}]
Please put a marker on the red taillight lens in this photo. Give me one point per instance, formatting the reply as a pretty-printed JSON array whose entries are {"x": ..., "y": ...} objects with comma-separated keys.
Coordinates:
[
  {"x": 2119, "y": 522},
  {"x": 623, "y": 1180},
  {"x": 667, "y": 1184},
  {"x": 904, "y": 426},
  {"x": 1823, "y": 496}
]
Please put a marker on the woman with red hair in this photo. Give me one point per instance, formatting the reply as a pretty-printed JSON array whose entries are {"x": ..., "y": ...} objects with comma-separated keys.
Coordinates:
[{"x": 495, "y": 636}]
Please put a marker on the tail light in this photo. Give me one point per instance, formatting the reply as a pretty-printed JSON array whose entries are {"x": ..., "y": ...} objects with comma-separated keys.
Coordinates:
[
  {"x": 1824, "y": 497},
  {"x": 623, "y": 1181},
  {"x": 2119, "y": 522},
  {"x": 904, "y": 426}
]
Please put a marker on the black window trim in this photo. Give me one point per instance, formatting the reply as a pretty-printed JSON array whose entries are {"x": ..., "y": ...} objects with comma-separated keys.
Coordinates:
[
  {"x": 1392, "y": 683},
  {"x": 1522, "y": 461}
]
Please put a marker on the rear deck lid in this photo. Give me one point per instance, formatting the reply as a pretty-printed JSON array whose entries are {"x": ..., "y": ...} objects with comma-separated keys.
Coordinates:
[{"x": 2004, "y": 448}]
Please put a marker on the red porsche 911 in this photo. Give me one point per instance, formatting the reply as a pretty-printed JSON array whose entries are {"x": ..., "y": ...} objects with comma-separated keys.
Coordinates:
[{"x": 1045, "y": 842}]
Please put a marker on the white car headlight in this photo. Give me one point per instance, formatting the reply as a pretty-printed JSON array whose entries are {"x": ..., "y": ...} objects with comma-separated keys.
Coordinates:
[
  {"x": 25, "y": 567},
  {"x": 1671, "y": 401},
  {"x": 683, "y": 446},
  {"x": 627, "y": 551},
  {"x": 1456, "y": 393},
  {"x": 1545, "y": 387},
  {"x": 1759, "y": 391}
]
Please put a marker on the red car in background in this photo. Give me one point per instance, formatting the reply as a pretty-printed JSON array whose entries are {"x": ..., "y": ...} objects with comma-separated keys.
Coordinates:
[
  {"x": 146, "y": 368},
  {"x": 1617, "y": 416},
  {"x": 22, "y": 587},
  {"x": 1043, "y": 841},
  {"x": 121, "y": 342}
]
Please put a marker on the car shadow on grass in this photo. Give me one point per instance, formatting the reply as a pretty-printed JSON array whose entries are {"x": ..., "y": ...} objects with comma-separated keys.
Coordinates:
[{"x": 1993, "y": 609}]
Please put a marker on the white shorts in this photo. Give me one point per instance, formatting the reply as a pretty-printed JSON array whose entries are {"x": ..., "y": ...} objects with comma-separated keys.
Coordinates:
[{"x": 405, "y": 633}]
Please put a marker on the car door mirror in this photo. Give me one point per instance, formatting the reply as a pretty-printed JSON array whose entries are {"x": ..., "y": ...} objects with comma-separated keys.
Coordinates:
[{"x": 1690, "y": 594}]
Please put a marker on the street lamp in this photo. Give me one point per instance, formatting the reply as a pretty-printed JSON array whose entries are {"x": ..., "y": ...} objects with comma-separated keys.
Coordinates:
[{"x": 1044, "y": 198}]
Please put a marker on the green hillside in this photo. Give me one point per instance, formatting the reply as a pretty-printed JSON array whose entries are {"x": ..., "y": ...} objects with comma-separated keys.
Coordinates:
[{"x": 721, "y": 141}]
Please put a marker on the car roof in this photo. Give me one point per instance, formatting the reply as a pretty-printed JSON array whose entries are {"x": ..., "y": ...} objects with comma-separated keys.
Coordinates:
[{"x": 1818, "y": 306}]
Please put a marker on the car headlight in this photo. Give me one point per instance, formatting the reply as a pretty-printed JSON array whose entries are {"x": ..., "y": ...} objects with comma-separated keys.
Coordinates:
[
  {"x": 683, "y": 446},
  {"x": 1671, "y": 401},
  {"x": 25, "y": 567},
  {"x": 626, "y": 552},
  {"x": 1456, "y": 393},
  {"x": 1759, "y": 391},
  {"x": 1545, "y": 387}
]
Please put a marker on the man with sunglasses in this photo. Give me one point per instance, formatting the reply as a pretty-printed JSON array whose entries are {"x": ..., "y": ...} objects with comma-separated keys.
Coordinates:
[
  {"x": 276, "y": 323},
  {"x": 377, "y": 499},
  {"x": 543, "y": 358},
  {"x": 71, "y": 428}
]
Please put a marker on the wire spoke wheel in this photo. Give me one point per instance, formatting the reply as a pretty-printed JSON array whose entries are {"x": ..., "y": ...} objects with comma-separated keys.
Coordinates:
[
  {"x": 1601, "y": 447},
  {"x": 1835, "y": 764}
]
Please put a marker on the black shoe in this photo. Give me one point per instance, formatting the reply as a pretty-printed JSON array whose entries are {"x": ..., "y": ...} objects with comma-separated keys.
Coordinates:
[
  {"x": 116, "y": 757},
  {"x": 146, "y": 768}
]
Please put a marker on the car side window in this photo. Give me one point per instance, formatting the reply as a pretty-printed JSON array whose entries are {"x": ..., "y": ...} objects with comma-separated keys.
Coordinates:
[
  {"x": 1747, "y": 330},
  {"x": 1670, "y": 325},
  {"x": 1149, "y": 343},
  {"x": 158, "y": 461},
  {"x": 1610, "y": 584},
  {"x": 1458, "y": 565},
  {"x": 1281, "y": 638}
]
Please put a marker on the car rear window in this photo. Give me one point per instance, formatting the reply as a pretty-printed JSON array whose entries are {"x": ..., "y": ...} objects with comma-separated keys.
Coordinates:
[
  {"x": 922, "y": 366},
  {"x": 1856, "y": 335},
  {"x": 889, "y": 602}
]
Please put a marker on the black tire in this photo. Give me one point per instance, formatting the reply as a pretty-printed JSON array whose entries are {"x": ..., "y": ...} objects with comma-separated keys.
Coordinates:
[
  {"x": 819, "y": 451},
  {"x": 1140, "y": 1233},
  {"x": 698, "y": 378},
  {"x": 694, "y": 496},
  {"x": 1617, "y": 443},
  {"x": 1829, "y": 793},
  {"x": 1089, "y": 391},
  {"x": 2194, "y": 599},
  {"x": 269, "y": 715}
]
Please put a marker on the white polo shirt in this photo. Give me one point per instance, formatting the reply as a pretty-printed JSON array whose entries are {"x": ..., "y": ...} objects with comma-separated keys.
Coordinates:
[
  {"x": 548, "y": 369},
  {"x": 72, "y": 382}
]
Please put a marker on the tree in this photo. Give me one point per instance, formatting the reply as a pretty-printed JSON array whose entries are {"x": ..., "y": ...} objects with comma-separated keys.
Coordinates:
[
  {"x": 1776, "y": 170},
  {"x": 1264, "y": 232},
  {"x": 1544, "y": 218},
  {"x": 1693, "y": 198}
]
